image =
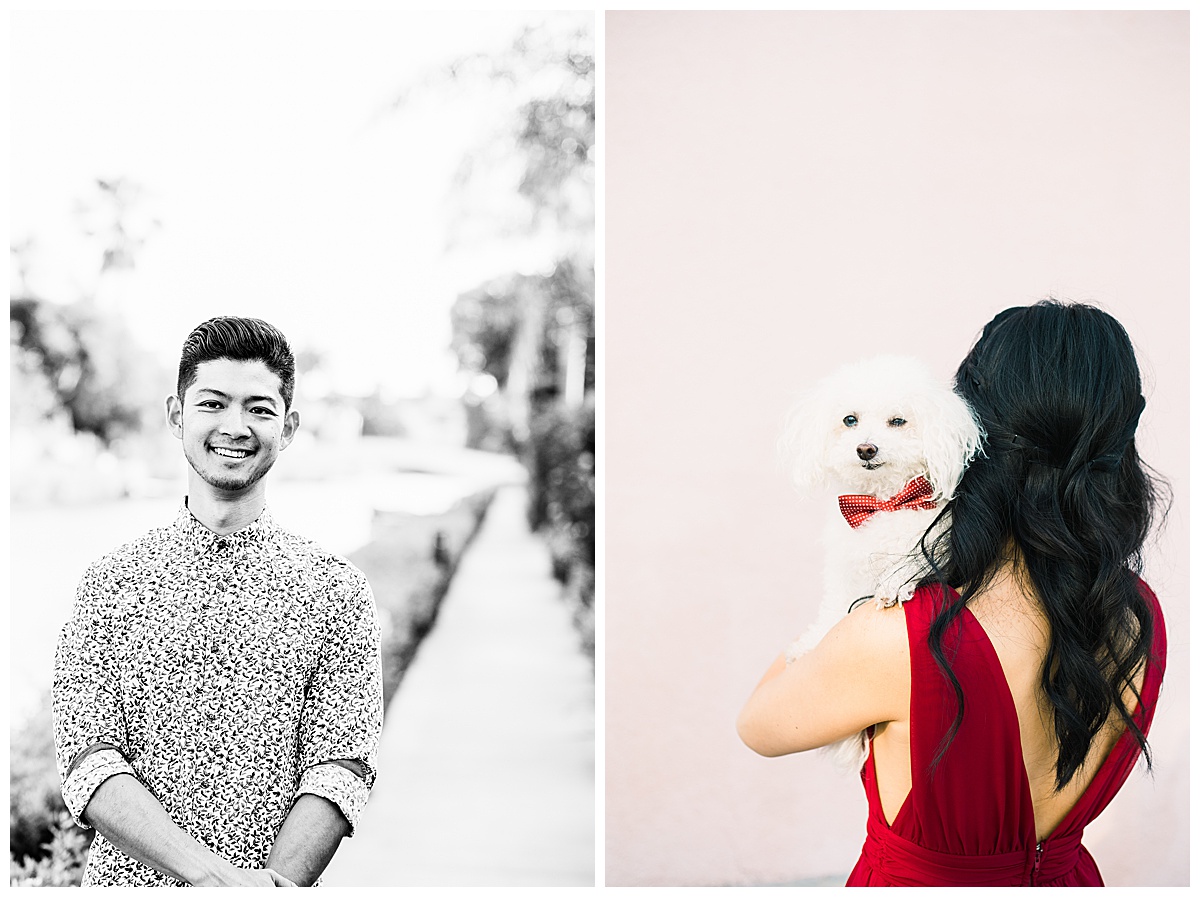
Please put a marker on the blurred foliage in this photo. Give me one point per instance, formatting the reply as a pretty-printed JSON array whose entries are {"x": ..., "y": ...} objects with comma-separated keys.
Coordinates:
[
  {"x": 533, "y": 335},
  {"x": 487, "y": 322},
  {"x": 562, "y": 465},
  {"x": 569, "y": 310},
  {"x": 82, "y": 362},
  {"x": 45, "y": 845},
  {"x": 70, "y": 358},
  {"x": 548, "y": 77},
  {"x": 63, "y": 863},
  {"x": 558, "y": 132},
  {"x": 561, "y": 457}
]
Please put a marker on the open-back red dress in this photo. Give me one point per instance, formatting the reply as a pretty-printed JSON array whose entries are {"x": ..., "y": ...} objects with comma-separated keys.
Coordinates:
[{"x": 971, "y": 821}]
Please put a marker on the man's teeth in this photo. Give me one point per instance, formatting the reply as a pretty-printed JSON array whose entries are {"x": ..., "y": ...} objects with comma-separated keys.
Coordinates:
[{"x": 232, "y": 453}]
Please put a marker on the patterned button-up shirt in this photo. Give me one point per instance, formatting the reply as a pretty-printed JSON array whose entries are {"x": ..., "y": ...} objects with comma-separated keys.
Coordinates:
[{"x": 226, "y": 673}]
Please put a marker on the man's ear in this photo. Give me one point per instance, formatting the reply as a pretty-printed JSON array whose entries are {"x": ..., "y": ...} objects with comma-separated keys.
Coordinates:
[
  {"x": 175, "y": 416},
  {"x": 291, "y": 423}
]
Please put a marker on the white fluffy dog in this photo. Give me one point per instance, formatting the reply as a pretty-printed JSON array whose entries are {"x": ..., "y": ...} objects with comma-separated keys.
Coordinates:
[{"x": 870, "y": 430}]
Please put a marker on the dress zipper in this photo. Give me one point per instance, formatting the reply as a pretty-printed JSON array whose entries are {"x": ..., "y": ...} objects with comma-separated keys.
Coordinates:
[{"x": 1037, "y": 862}]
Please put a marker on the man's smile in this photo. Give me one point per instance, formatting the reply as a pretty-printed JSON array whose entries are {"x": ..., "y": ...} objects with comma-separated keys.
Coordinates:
[{"x": 235, "y": 453}]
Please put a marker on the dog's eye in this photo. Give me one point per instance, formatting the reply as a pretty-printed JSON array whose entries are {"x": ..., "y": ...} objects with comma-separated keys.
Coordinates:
[
  {"x": 850, "y": 420},
  {"x": 897, "y": 422}
]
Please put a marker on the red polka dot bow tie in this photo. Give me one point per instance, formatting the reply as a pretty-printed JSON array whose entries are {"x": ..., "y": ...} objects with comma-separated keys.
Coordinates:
[{"x": 917, "y": 496}]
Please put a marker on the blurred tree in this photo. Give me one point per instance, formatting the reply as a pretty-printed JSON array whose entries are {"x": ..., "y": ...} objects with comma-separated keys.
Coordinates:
[
  {"x": 545, "y": 152},
  {"x": 90, "y": 368},
  {"x": 558, "y": 137},
  {"x": 75, "y": 359},
  {"x": 533, "y": 335},
  {"x": 485, "y": 323}
]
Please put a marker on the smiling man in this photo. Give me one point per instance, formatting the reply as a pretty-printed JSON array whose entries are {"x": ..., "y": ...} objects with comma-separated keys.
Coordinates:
[{"x": 217, "y": 690}]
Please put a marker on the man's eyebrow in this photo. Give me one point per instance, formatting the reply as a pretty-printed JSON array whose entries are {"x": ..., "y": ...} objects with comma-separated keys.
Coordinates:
[{"x": 222, "y": 395}]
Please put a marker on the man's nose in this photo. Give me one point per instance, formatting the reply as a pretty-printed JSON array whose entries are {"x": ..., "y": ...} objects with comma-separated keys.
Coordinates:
[{"x": 233, "y": 423}]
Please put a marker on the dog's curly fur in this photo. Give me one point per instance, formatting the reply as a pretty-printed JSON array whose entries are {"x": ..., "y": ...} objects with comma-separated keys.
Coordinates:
[{"x": 914, "y": 425}]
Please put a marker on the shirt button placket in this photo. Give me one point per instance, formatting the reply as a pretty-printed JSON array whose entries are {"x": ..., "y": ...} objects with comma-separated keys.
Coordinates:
[
  {"x": 192, "y": 747},
  {"x": 207, "y": 690},
  {"x": 214, "y": 674}
]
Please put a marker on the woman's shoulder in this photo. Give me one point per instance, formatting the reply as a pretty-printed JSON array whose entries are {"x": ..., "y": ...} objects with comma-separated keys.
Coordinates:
[
  {"x": 875, "y": 627},
  {"x": 882, "y": 631}
]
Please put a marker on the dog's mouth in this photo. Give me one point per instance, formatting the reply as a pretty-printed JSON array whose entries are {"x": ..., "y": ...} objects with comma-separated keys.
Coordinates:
[{"x": 873, "y": 465}]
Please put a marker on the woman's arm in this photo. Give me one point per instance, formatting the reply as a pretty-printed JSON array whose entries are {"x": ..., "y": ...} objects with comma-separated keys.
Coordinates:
[{"x": 857, "y": 676}]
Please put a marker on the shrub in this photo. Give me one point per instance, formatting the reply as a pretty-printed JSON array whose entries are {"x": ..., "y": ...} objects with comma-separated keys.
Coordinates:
[
  {"x": 62, "y": 865},
  {"x": 561, "y": 457},
  {"x": 45, "y": 846},
  {"x": 562, "y": 462}
]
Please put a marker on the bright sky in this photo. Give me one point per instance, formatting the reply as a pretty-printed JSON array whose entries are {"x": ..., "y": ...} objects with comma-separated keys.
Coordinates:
[{"x": 284, "y": 187}]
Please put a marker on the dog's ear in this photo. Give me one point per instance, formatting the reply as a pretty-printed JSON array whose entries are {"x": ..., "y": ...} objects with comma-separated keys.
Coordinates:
[
  {"x": 950, "y": 436},
  {"x": 802, "y": 443}
]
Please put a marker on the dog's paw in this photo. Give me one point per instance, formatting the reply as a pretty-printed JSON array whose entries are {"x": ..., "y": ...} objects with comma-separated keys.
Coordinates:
[
  {"x": 895, "y": 589},
  {"x": 892, "y": 598}
]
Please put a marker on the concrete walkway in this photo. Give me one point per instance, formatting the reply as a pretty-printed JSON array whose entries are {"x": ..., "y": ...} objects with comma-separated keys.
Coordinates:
[{"x": 487, "y": 762}]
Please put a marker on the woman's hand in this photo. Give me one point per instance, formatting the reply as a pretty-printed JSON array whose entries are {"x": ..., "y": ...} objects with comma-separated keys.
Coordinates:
[{"x": 857, "y": 676}]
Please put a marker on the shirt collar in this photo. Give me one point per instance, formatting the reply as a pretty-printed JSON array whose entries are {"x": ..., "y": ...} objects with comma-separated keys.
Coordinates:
[{"x": 200, "y": 538}]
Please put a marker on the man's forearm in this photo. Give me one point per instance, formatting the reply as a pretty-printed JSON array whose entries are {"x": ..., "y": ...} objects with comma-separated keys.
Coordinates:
[
  {"x": 309, "y": 837},
  {"x": 128, "y": 815}
]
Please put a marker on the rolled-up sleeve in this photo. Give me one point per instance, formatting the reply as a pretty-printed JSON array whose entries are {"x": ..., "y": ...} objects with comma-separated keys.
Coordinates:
[
  {"x": 89, "y": 729},
  {"x": 343, "y": 710}
]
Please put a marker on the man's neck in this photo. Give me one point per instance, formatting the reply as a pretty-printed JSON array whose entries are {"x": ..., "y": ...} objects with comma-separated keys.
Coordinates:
[{"x": 225, "y": 512}]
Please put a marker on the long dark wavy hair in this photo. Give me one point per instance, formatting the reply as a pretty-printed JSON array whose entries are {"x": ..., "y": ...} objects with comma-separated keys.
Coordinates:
[{"x": 1057, "y": 391}]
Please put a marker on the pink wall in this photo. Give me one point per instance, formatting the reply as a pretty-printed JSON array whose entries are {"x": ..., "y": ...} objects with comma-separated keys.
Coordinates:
[{"x": 785, "y": 190}]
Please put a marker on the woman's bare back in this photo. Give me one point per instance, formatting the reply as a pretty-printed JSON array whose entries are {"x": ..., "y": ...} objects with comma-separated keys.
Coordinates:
[{"x": 1019, "y": 632}]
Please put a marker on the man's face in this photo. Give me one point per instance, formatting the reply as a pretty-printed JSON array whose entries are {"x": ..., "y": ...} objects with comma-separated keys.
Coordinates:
[{"x": 232, "y": 423}]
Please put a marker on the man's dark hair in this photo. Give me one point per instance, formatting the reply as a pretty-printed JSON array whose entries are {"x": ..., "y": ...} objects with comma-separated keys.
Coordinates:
[{"x": 239, "y": 339}]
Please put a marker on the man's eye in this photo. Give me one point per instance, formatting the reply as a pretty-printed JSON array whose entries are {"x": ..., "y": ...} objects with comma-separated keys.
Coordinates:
[
  {"x": 263, "y": 411},
  {"x": 850, "y": 420},
  {"x": 897, "y": 422}
]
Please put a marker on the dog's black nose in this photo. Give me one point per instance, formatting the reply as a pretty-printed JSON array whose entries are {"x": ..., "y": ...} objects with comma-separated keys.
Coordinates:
[{"x": 866, "y": 451}]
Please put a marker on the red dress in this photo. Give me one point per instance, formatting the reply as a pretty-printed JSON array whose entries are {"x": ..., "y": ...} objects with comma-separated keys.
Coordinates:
[{"x": 971, "y": 822}]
